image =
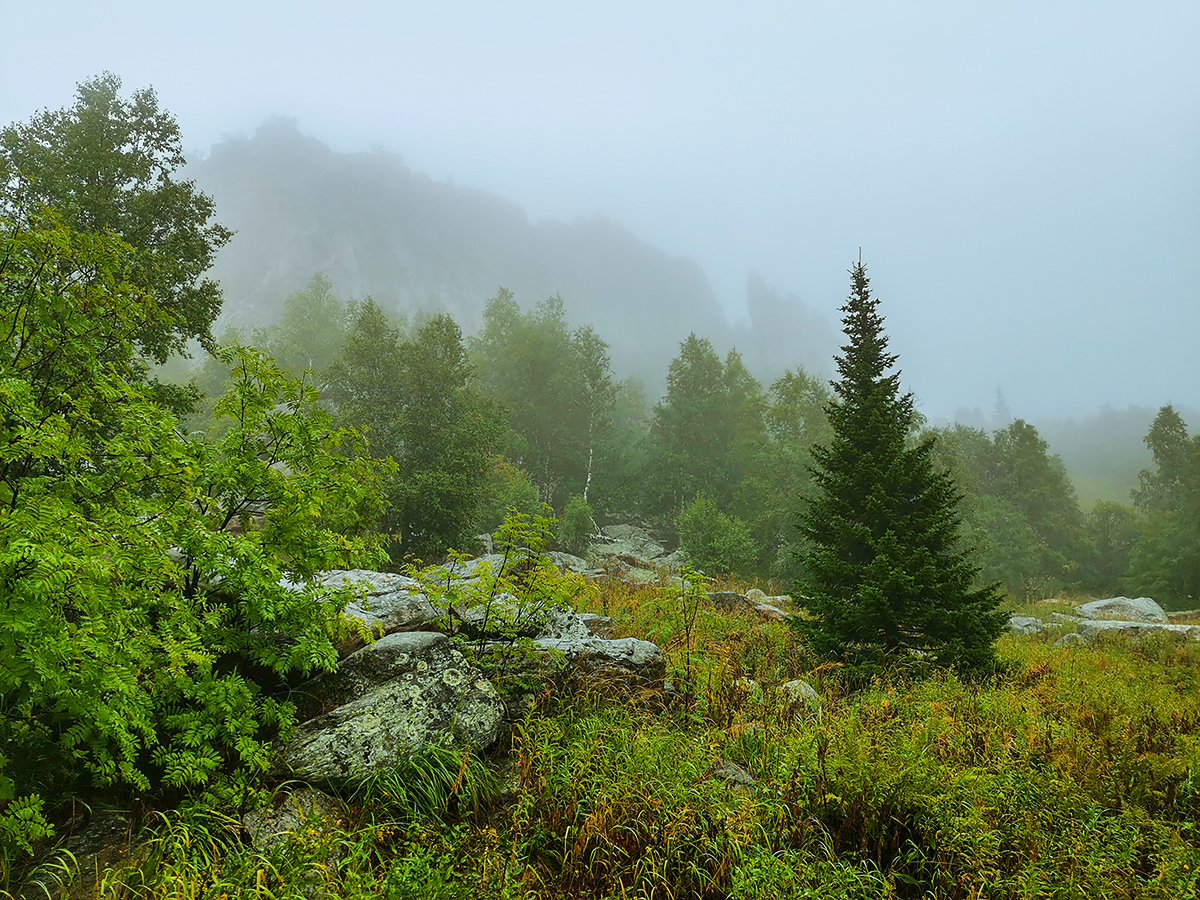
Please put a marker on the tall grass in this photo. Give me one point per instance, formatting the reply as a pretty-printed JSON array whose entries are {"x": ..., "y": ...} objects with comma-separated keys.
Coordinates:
[{"x": 1072, "y": 772}]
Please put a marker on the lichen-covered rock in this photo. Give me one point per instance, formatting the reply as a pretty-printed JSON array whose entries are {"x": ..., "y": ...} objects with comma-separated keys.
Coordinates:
[
  {"x": 799, "y": 691},
  {"x": 729, "y": 600},
  {"x": 629, "y": 540},
  {"x": 624, "y": 658},
  {"x": 1136, "y": 609},
  {"x": 1025, "y": 625},
  {"x": 769, "y": 613},
  {"x": 405, "y": 691},
  {"x": 599, "y": 626},
  {"x": 289, "y": 815},
  {"x": 390, "y": 602}
]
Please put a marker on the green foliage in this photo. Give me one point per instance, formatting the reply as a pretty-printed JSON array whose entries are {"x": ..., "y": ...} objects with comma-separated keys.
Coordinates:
[
  {"x": 512, "y": 599},
  {"x": 768, "y": 498},
  {"x": 577, "y": 527},
  {"x": 416, "y": 399},
  {"x": 1020, "y": 509},
  {"x": 142, "y": 571},
  {"x": 109, "y": 163},
  {"x": 714, "y": 542},
  {"x": 557, "y": 385},
  {"x": 506, "y": 488},
  {"x": 1165, "y": 488},
  {"x": 885, "y": 570},
  {"x": 705, "y": 430},
  {"x": 1113, "y": 530},
  {"x": 310, "y": 332}
]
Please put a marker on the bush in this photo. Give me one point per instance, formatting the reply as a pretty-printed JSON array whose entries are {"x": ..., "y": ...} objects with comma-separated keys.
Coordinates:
[
  {"x": 714, "y": 542},
  {"x": 576, "y": 527}
]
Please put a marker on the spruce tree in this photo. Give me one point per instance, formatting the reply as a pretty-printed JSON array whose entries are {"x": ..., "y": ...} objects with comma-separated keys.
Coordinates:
[{"x": 885, "y": 572}]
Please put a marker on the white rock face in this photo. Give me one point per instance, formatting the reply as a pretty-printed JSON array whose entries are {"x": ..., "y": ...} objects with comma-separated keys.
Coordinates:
[{"x": 1138, "y": 609}]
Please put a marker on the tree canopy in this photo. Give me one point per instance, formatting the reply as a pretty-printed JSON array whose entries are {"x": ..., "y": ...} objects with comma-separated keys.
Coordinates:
[{"x": 109, "y": 163}]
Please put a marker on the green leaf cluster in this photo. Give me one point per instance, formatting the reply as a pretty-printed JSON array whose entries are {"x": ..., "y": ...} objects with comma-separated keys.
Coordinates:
[{"x": 151, "y": 585}]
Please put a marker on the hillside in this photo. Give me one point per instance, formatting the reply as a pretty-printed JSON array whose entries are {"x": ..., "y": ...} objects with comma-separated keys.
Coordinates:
[{"x": 377, "y": 228}]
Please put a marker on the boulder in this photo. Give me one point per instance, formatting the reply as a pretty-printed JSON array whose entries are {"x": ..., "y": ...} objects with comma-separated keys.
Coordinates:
[
  {"x": 1138, "y": 609},
  {"x": 390, "y": 602},
  {"x": 625, "y": 659},
  {"x": 769, "y": 613},
  {"x": 570, "y": 563},
  {"x": 272, "y": 826},
  {"x": 405, "y": 691},
  {"x": 630, "y": 540},
  {"x": 1025, "y": 625},
  {"x": 729, "y": 600},
  {"x": 737, "y": 779},
  {"x": 799, "y": 691},
  {"x": 599, "y": 626},
  {"x": 1092, "y": 628}
]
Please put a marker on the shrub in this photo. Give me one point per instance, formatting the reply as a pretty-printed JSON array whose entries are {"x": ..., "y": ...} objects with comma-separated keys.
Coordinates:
[{"x": 714, "y": 542}]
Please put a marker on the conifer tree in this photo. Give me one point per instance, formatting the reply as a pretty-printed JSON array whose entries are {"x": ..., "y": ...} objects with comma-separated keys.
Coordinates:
[{"x": 885, "y": 571}]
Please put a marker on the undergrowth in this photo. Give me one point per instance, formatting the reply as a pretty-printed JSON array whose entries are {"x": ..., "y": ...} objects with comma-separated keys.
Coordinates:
[{"x": 1071, "y": 772}]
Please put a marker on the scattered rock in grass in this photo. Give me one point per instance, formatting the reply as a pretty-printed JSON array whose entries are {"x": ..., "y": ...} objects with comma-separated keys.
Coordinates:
[
  {"x": 600, "y": 626},
  {"x": 1137, "y": 609},
  {"x": 1026, "y": 625},
  {"x": 800, "y": 691},
  {"x": 289, "y": 815},
  {"x": 768, "y": 613},
  {"x": 94, "y": 843},
  {"x": 1070, "y": 639},
  {"x": 736, "y": 778}
]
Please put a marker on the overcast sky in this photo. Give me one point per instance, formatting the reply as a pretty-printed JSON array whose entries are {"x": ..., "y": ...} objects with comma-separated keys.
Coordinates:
[{"x": 1023, "y": 179}]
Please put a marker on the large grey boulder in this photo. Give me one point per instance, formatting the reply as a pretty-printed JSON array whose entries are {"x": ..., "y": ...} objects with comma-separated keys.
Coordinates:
[
  {"x": 631, "y": 540},
  {"x": 1137, "y": 609},
  {"x": 405, "y": 691}
]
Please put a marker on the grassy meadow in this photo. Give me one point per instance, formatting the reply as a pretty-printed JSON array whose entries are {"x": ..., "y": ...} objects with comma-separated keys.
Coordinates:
[{"x": 1069, "y": 772}]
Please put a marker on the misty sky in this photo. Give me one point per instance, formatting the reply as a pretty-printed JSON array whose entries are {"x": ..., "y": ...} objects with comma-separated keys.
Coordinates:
[{"x": 1023, "y": 179}]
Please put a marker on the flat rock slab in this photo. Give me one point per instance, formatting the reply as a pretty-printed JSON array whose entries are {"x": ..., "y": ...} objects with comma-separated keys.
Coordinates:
[
  {"x": 623, "y": 657},
  {"x": 1136, "y": 609},
  {"x": 1092, "y": 628}
]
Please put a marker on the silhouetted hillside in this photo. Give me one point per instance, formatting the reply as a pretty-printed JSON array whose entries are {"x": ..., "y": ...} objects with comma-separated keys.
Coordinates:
[{"x": 375, "y": 227}]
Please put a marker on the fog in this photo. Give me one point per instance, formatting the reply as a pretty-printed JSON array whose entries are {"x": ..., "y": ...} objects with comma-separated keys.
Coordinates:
[{"x": 1023, "y": 181}]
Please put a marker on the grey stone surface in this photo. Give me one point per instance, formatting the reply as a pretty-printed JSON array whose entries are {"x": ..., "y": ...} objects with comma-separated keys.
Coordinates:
[
  {"x": 729, "y": 600},
  {"x": 1134, "y": 609},
  {"x": 390, "y": 603},
  {"x": 600, "y": 626},
  {"x": 1090, "y": 629},
  {"x": 631, "y": 540},
  {"x": 623, "y": 657},
  {"x": 769, "y": 613},
  {"x": 409, "y": 690},
  {"x": 272, "y": 826},
  {"x": 1025, "y": 625},
  {"x": 799, "y": 691}
]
